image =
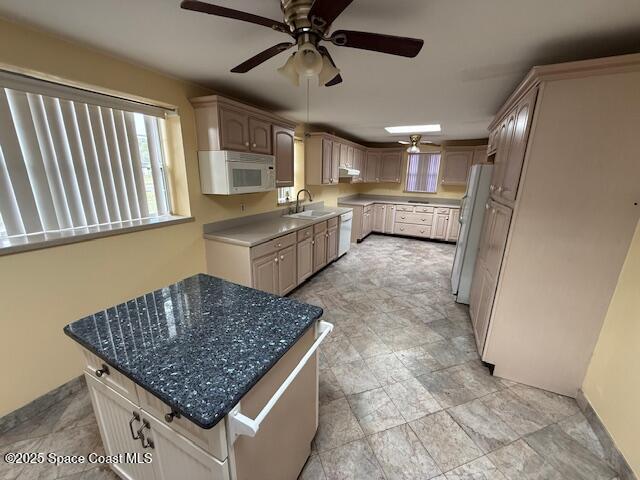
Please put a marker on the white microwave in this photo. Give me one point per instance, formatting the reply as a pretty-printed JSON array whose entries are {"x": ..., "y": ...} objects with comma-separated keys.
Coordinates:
[{"x": 223, "y": 172}]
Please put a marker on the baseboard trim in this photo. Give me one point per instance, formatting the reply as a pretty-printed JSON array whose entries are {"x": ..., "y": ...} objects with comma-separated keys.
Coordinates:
[
  {"x": 40, "y": 404},
  {"x": 613, "y": 455}
]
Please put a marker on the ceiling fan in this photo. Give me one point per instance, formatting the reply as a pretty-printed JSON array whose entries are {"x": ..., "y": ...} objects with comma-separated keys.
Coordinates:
[
  {"x": 308, "y": 22},
  {"x": 415, "y": 141}
]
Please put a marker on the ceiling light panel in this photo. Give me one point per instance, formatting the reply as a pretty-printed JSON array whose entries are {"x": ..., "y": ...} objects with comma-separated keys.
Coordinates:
[{"x": 435, "y": 127}]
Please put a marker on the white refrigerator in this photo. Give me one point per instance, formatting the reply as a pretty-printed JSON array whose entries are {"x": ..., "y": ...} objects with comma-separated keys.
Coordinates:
[{"x": 471, "y": 215}]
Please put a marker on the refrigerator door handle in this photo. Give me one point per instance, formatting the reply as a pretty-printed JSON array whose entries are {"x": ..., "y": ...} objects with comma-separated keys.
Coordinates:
[{"x": 462, "y": 205}]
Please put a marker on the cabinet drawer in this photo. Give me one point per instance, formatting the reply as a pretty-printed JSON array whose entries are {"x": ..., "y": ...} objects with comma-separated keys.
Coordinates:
[
  {"x": 273, "y": 245},
  {"x": 305, "y": 233},
  {"x": 404, "y": 208},
  {"x": 319, "y": 227},
  {"x": 424, "y": 209},
  {"x": 416, "y": 218},
  {"x": 412, "y": 230},
  {"x": 114, "y": 379},
  {"x": 332, "y": 222},
  {"x": 442, "y": 211},
  {"x": 212, "y": 441}
]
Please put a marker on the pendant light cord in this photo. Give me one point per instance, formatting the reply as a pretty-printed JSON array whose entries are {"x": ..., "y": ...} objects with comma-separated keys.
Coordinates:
[{"x": 308, "y": 101}]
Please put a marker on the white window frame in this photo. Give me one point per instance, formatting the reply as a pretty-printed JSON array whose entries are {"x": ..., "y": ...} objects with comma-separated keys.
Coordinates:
[
  {"x": 282, "y": 191},
  {"x": 71, "y": 165}
]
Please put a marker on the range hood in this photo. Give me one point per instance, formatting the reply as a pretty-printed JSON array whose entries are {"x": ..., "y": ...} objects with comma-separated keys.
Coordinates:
[{"x": 348, "y": 172}]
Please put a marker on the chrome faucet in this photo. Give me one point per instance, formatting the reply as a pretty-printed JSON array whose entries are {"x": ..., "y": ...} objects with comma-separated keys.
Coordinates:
[{"x": 298, "y": 198}]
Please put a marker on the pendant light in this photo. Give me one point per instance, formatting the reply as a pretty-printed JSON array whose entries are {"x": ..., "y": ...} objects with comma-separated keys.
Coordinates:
[{"x": 415, "y": 141}]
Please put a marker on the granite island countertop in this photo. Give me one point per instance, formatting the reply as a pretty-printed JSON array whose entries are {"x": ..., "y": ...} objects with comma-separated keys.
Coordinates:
[
  {"x": 256, "y": 232},
  {"x": 199, "y": 345}
]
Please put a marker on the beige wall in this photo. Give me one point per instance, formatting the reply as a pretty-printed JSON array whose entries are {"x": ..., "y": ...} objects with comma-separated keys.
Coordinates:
[
  {"x": 42, "y": 291},
  {"x": 612, "y": 383}
]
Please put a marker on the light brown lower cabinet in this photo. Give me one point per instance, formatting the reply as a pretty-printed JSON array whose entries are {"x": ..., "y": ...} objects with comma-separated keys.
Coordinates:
[
  {"x": 440, "y": 223},
  {"x": 367, "y": 221},
  {"x": 265, "y": 273},
  {"x": 379, "y": 217},
  {"x": 287, "y": 270},
  {"x": 332, "y": 240},
  {"x": 390, "y": 213},
  {"x": 319, "y": 246},
  {"x": 453, "y": 228},
  {"x": 305, "y": 254}
]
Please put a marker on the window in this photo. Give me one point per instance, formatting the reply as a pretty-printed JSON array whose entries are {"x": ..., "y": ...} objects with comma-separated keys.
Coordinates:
[
  {"x": 72, "y": 159},
  {"x": 422, "y": 172},
  {"x": 285, "y": 195}
]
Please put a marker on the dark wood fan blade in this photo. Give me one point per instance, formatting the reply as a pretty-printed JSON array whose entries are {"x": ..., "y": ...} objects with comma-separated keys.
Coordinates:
[
  {"x": 378, "y": 42},
  {"x": 338, "y": 78},
  {"x": 204, "y": 7},
  {"x": 262, "y": 57},
  {"x": 324, "y": 12}
]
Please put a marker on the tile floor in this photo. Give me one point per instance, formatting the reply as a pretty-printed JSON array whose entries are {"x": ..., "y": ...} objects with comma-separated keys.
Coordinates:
[{"x": 402, "y": 392}]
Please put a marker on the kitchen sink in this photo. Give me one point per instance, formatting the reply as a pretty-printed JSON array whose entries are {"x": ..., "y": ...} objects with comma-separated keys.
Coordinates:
[{"x": 311, "y": 214}]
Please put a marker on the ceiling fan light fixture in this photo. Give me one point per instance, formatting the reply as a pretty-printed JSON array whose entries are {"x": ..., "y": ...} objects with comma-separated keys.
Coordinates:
[
  {"x": 413, "y": 149},
  {"x": 328, "y": 72},
  {"x": 289, "y": 71},
  {"x": 308, "y": 61}
]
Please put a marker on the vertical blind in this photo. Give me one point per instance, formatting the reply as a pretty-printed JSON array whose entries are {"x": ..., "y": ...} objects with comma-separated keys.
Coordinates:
[
  {"x": 68, "y": 164},
  {"x": 422, "y": 172}
]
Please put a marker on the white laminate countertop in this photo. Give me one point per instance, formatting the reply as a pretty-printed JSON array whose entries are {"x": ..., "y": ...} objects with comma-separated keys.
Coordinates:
[
  {"x": 255, "y": 233},
  {"x": 366, "y": 201}
]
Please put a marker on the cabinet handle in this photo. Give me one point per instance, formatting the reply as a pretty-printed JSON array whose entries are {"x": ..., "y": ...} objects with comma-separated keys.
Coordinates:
[
  {"x": 486, "y": 207},
  {"x": 281, "y": 257},
  {"x": 275, "y": 260},
  {"x": 499, "y": 189},
  {"x": 313, "y": 242},
  {"x": 170, "y": 416},
  {"x": 246, "y": 144},
  {"x": 102, "y": 371},
  {"x": 279, "y": 245},
  {"x": 135, "y": 418},
  {"x": 492, "y": 188},
  {"x": 254, "y": 145},
  {"x": 143, "y": 438}
]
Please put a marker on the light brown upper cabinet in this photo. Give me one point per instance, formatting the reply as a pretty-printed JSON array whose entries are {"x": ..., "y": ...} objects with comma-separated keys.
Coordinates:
[
  {"x": 322, "y": 159},
  {"x": 351, "y": 151},
  {"x": 283, "y": 148},
  {"x": 480, "y": 155},
  {"x": 390, "y": 166},
  {"x": 506, "y": 185},
  {"x": 225, "y": 124},
  {"x": 259, "y": 136},
  {"x": 372, "y": 167},
  {"x": 457, "y": 162},
  {"x": 344, "y": 156},
  {"x": 329, "y": 150},
  {"x": 234, "y": 130},
  {"x": 358, "y": 164}
]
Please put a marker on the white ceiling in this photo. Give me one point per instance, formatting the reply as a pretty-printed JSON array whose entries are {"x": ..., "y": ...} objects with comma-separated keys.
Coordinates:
[{"x": 475, "y": 53}]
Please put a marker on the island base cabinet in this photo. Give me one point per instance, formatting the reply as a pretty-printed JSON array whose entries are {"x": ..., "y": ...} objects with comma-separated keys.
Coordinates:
[
  {"x": 172, "y": 455},
  {"x": 283, "y": 443}
]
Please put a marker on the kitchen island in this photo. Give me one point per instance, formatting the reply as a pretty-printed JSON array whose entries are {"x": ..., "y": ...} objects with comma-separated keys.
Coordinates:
[{"x": 216, "y": 380}]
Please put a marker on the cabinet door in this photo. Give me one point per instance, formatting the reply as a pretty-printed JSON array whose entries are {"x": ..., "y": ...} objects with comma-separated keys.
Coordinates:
[
  {"x": 344, "y": 156},
  {"x": 287, "y": 270},
  {"x": 305, "y": 259},
  {"x": 265, "y": 273},
  {"x": 319, "y": 250},
  {"x": 332, "y": 244},
  {"x": 389, "y": 218},
  {"x": 234, "y": 130},
  {"x": 515, "y": 157},
  {"x": 500, "y": 220},
  {"x": 482, "y": 300},
  {"x": 372, "y": 167},
  {"x": 328, "y": 153},
  {"x": 367, "y": 223},
  {"x": 283, "y": 142},
  {"x": 379, "y": 213},
  {"x": 440, "y": 224},
  {"x": 480, "y": 155},
  {"x": 351, "y": 152},
  {"x": 503, "y": 145},
  {"x": 456, "y": 166},
  {"x": 358, "y": 164},
  {"x": 453, "y": 229},
  {"x": 390, "y": 166},
  {"x": 113, "y": 414},
  {"x": 333, "y": 164},
  {"x": 260, "y": 136},
  {"x": 176, "y": 457}
]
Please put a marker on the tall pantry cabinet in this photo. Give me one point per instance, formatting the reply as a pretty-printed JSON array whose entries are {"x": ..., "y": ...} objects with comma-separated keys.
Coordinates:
[{"x": 563, "y": 209}]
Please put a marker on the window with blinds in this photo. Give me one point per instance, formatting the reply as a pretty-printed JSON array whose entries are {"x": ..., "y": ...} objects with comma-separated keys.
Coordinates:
[
  {"x": 72, "y": 159},
  {"x": 422, "y": 172}
]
